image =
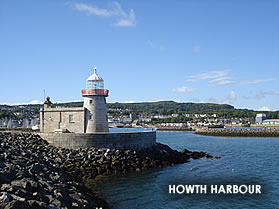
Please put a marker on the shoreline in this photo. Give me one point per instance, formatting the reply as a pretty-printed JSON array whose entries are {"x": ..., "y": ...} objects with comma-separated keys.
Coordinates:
[
  {"x": 36, "y": 174},
  {"x": 166, "y": 128}
]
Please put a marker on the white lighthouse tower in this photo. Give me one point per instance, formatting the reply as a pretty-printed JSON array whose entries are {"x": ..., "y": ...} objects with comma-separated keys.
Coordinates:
[{"x": 95, "y": 104}]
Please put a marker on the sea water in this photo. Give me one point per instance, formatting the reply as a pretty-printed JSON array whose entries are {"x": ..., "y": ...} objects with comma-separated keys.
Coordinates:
[{"x": 246, "y": 160}]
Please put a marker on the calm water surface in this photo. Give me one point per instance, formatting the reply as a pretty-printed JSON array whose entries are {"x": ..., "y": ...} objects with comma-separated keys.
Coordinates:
[{"x": 244, "y": 161}]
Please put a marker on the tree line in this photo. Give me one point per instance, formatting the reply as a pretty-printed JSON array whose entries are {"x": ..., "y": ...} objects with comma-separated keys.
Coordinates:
[{"x": 157, "y": 108}]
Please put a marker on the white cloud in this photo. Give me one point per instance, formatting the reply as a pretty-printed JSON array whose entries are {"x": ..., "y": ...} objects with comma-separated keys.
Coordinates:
[
  {"x": 23, "y": 103},
  {"x": 123, "y": 101},
  {"x": 221, "y": 81},
  {"x": 220, "y": 78},
  {"x": 130, "y": 101},
  {"x": 215, "y": 78},
  {"x": 92, "y": 10},
  {"x": 128, "y": 21},
  {"x": 264, "y": 108},
  {"x": 123, "y": 19},
  {"x": 36, "y": 102},
  {"x": 206, "y": 76},
  {"x": 117, "y": 10},
  {"x": 184, "y": 89},
  {"x": 256, "y": 81}
]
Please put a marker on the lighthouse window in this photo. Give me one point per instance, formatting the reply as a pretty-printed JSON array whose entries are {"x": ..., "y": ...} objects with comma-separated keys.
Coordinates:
[{"x": 71, "y": 118}]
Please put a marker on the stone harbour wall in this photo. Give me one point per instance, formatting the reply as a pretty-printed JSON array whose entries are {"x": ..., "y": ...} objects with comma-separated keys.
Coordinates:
[
  {"x": 262, "y": 132},
  {"x": 124, "y": 140}
]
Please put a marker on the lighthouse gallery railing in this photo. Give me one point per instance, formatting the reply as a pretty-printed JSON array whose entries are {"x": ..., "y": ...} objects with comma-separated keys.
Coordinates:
[{"x": 103, "y": 92}]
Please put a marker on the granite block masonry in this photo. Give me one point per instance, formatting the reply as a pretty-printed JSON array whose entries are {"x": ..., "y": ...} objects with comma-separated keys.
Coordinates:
[{"x": 125, "y": 140}]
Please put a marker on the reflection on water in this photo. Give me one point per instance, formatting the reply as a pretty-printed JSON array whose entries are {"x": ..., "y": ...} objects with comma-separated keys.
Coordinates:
[{"x": 244, "y": 161}]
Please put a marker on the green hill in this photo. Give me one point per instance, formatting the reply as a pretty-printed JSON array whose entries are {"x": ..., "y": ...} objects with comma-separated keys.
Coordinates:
[
  {"x": 162, "y": 107},
  {"x": 170, "y": 107}
]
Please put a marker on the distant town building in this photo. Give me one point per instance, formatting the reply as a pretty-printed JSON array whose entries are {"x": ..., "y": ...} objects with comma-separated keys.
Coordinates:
[
  {"x": 174, "y": 124},
  {"x": 160, "y": 116},
  {"x": 26, "y": 123},
  {"x": 11, "y": 124},
  {"x": 271, "y": 122},
  {"x": 35, "y": 121},
  {"x": 145, "y": 119},
  {"x": 133, "y": 116},
  {"x": 125, "y": 120},
  {"x": 260, "y": 117}
]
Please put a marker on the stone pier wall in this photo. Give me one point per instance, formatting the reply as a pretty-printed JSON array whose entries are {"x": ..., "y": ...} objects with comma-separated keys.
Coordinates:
[
  {"x": 263, "y": 132},
  {"x": 125, "y": 140}
]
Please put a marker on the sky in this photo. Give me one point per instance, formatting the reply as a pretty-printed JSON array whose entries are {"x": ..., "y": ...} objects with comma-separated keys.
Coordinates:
[{"x": 212, "y": 51}]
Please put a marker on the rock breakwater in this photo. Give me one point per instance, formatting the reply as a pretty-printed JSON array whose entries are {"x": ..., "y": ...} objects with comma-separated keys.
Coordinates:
[
  {"x": 262, "y": 132},
  {"x": 107, "y": 162},
  {"x": 170, "y": 128},
  {"x": 34, "y": 174}
]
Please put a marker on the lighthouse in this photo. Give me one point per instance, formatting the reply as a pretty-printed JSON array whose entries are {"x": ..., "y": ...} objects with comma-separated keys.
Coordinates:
[
  {"x": 95, "y": 118},
  {"x": 87, "y": 126}
]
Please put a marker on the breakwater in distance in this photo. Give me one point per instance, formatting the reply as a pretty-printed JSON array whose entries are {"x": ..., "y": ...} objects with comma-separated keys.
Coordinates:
[
  {"x": 35, "y": 174},
  {"x": 173, "y": 128},
  {"x": 260, "y": 132}
]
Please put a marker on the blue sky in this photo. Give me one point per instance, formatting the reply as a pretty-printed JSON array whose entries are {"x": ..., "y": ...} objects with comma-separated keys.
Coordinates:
[{"x": 188, "y": 51}]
